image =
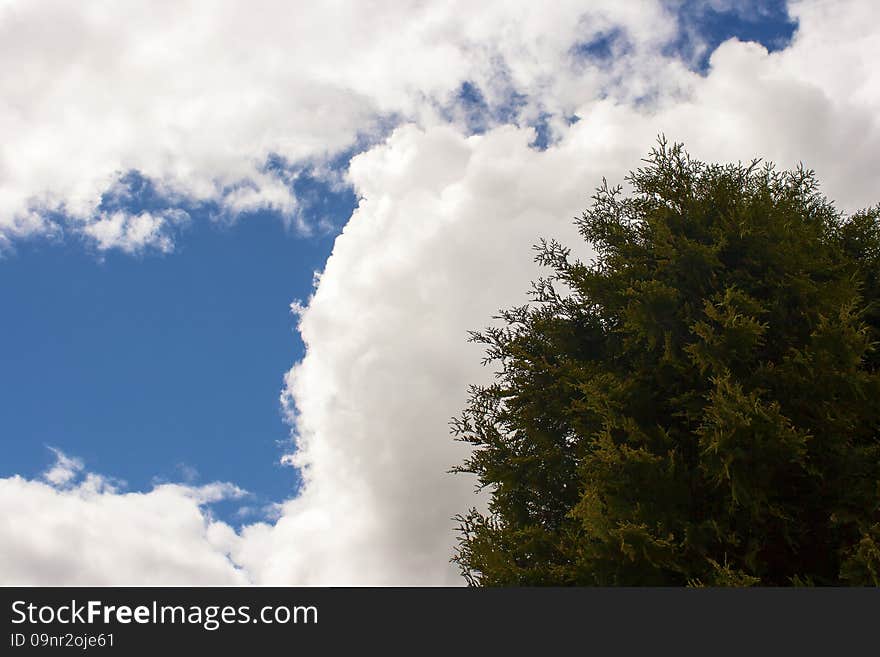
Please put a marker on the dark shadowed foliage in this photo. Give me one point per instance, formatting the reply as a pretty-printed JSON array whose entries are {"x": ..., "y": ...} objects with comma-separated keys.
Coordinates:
[{"x": 699, "y": 405}]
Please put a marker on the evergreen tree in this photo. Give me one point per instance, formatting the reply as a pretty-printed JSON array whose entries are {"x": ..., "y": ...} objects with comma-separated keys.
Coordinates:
[{"x": 699, "y": 405}]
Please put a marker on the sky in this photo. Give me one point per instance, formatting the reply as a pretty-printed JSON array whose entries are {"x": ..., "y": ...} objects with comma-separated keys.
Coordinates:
[
  {"x": 241, "y": 246},
  {"x": 171, "y": 364}
]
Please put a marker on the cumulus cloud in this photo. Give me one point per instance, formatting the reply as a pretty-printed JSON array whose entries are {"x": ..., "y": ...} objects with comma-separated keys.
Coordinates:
[
  {"x": 133, "y": 233},
  {"x": 64, "y": 470},
  {"x": 199, "y": 99},
  {"x": 441, "y": 239},
  {"x": 90, "y": 533}
]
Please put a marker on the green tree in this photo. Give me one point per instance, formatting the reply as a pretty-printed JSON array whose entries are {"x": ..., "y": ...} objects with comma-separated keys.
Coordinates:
[{"x": 699, "y": 405}]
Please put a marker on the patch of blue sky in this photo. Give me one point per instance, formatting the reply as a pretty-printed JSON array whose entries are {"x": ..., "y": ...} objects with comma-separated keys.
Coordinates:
[
  {"x": 704, "y": 26},
  {"x": 603, "y": 47},
  {"x": 471, "y": 108},
  {"x": 162, "y": 367},
  {"x": 325, "y": 198}
]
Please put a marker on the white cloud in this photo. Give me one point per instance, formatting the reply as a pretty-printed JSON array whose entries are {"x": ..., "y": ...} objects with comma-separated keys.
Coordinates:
[
  {"x": 440, "y": 240},
  {"x": 133, "y": 233},
  {"x": 196, "y": 98},
  {"x": 91, "y": 534},
  {"x": 64, "y": 470}
]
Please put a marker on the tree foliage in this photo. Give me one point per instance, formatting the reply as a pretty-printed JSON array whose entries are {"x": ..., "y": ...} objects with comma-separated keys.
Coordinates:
[{"x": 699, "y": 405}]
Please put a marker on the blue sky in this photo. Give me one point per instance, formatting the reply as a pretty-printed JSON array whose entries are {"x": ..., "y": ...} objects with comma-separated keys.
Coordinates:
[
  {"x": 161, "y": 366},
  {"x": 168, "y": 366}
]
